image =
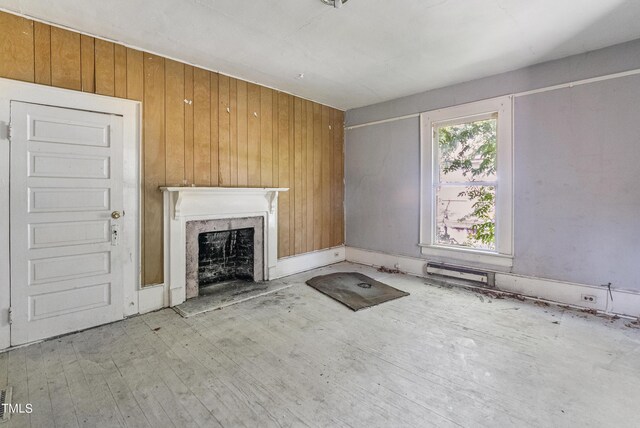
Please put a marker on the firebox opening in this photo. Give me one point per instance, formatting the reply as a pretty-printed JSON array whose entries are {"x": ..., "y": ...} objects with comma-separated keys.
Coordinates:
[{"x": 224, "y": 256}]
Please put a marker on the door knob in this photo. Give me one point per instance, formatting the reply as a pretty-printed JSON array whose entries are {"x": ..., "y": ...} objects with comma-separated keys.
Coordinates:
[{"x": 115, "y": 215}]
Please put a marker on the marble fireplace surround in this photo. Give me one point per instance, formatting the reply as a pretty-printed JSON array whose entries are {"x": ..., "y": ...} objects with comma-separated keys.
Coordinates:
[
  {"x": 196, "y": 227},
  {"x": 194, "y": 204}
]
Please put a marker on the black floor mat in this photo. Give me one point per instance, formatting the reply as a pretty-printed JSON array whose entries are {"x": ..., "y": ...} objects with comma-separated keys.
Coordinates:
[{"x": 355, "y": 290}]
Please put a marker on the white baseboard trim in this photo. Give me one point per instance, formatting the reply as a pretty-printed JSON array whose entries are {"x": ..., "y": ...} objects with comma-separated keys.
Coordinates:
[
  {"x": 151, "y": 298},
  {"x": 304, "y": 262},
  {"x": 624, "y": 302}
]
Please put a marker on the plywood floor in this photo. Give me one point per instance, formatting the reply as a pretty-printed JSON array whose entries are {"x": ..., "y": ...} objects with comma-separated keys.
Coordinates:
[{"x": 440, "y": 357}]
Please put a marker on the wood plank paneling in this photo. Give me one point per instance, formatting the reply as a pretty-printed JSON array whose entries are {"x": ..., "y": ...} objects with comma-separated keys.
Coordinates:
[
  {"x": 275, "y": 135},
  {"x": 120, "y": 71},
  {"x": 326, "y": 177},
  {"x": 201, "y": 127},
  {"x": 297, "y": 177},
  {"x": 317, "y": 176},
  {"x": 87, "y": 63},
  {"x": 215, "y": 129},
  {"x": 243, "y": 144},
  {"x": 335, "y": 179},
  {"x": 154, "y": 166},
  {"x": 284, "y": 242},
  {"x": 293, "y": 190},
  {"x": 338, "y": 142},
  {"x": 233, "y": 132},
  {"x": 303, "y": 176},
  {"x": 253, "y": 133},
  {"x": 105, "y": 67},
  {"x": 135, "y": 75},
  {"x": 224, "y": 161},
  {"x": 16, "y": 48},
  {"x": 174, "y": 122},
  {"x": 188, "y": 125},
  {"x": 65, "y": 59},
  {"x": 42, "y": 52},
  {"x": 309, "y": 177},
  {"x": 265, "y": 138}
]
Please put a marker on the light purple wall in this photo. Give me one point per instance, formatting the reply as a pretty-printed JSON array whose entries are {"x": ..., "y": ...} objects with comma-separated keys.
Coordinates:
[
  {"x": 577, "y": 170},
  {"x": 577, "y": 176}
]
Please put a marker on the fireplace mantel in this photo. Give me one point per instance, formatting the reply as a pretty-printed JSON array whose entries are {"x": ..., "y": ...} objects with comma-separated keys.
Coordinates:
[
  {"x": 189, "y": 199},
  {"x": 184, "y": 204}
]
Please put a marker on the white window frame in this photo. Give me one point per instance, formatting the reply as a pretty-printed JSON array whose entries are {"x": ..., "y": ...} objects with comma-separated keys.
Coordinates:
[{"x": 503, "y": 254}]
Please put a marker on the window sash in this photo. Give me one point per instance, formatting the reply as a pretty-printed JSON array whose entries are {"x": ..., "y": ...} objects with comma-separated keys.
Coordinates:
[
  {"x": 464, "y": 119},
  {"x": 435, "y": 126},
  {"x": 465, "y": 183},
  {"x": 497, "y": 108}
]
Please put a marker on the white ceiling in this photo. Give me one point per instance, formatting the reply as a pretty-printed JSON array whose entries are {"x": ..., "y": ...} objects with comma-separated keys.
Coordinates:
[{"x": 366, "y": 52}]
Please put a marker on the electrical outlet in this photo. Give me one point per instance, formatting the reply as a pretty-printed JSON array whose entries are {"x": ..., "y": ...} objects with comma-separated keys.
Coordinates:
[{"x": 588, "y": 298}]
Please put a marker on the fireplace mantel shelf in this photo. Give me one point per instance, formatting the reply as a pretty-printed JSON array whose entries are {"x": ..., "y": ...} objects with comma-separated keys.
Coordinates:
[
  {"x": 185, "y": 192},
  {"x": 226, "y": 190}
]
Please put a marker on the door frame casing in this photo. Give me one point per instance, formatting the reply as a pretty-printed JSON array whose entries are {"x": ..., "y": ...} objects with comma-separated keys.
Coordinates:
[{"x": 131, "y": 111}]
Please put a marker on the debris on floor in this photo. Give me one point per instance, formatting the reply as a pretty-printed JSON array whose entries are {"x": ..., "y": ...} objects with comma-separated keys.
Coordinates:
[
  {"x": 389, "y": 270},
  {"x": 497, "y": 294},
  {"x": 633, "y": 324},
  {"x": 488, "y": 293}
]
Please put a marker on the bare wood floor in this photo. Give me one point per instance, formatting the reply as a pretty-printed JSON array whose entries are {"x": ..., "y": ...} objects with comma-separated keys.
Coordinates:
[{"x": 440, "y": 357}]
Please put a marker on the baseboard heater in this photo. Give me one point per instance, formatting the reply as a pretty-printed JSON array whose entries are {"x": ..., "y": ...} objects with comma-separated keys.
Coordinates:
[
  {"x": 461, "y": 273},
  {"x": 5, "y": 402}
]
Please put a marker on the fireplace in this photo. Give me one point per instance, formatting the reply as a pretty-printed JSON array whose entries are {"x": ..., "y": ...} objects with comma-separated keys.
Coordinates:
[
  {"x": 218, "y": 218},
  {"x": 222, "y": 250},
  {"x": 225, "y": 256}
]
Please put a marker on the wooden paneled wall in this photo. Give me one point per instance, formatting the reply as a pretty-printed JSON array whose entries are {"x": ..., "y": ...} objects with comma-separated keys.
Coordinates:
[{"x": 200, "y": 128}]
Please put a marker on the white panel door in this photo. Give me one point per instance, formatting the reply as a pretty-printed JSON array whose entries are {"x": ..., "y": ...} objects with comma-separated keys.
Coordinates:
[{"x": 65, "y": 202}]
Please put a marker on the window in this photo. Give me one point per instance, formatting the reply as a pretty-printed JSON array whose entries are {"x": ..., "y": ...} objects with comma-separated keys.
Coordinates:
[{"x": 466, "y": 198}]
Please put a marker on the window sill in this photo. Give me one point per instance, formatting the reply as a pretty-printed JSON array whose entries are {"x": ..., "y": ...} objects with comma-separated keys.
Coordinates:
[{"x": 464, "y": 255}]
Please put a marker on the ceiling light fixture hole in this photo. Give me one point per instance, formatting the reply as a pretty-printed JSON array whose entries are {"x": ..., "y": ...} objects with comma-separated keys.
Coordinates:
[{"x": 334, "y": 3}]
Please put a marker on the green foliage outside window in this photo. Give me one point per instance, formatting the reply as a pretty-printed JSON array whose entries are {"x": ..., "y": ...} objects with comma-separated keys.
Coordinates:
[{"x": 470, "y": 149}]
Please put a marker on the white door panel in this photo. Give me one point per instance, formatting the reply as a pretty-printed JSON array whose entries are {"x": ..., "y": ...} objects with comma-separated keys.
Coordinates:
[
  {"x": 57, "y": 127},
  {"x": 46, "y": 235},
  {"x": 51, "y": 269},
  {"x": 66, "y": 180},
  {"x": 66, "y": 165},
  {"x": 65, "y": 302},
  {"x": 49, "y": 200}
]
